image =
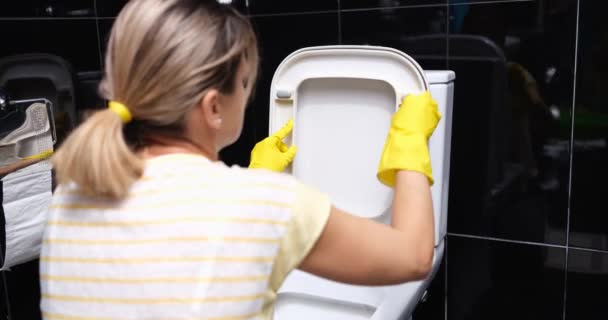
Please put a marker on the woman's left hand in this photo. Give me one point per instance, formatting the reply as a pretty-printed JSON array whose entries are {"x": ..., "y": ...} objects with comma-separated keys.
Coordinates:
[{"x": 272, "y": 153}]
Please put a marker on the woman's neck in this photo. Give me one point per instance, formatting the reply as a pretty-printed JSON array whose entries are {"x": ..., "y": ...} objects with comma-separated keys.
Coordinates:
[{"x": 160, "y": 146}]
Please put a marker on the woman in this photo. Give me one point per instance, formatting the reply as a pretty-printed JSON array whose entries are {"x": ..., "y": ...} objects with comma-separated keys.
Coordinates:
[{"x": 147, "y": 224}]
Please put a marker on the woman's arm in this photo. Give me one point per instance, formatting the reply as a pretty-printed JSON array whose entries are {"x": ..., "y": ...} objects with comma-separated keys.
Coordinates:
[{"x": 361, "y": 251}]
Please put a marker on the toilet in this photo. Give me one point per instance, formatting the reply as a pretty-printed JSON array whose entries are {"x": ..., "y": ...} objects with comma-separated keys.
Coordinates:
[{"x": 342, "y": 99}]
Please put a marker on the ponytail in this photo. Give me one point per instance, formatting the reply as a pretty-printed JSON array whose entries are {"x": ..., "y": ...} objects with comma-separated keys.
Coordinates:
[{"x": 97, "y": 158}]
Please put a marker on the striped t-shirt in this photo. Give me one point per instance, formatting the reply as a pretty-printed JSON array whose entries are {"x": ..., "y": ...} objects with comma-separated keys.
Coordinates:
[{"x": 193, "y": 239}]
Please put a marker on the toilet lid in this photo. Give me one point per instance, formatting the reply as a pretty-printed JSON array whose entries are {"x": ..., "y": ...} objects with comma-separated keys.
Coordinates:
[
  {"x": 342, "y": 99},
  {"x": 329, "y": 91}
]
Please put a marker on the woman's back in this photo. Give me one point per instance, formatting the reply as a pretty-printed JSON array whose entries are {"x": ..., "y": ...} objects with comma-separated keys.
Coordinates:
[{"x": 192, "y": 239}]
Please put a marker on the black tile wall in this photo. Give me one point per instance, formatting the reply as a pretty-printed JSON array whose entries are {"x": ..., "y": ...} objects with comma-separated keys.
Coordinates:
[
  {"x": 73, "y": 39},
  {"x": 500, "y": 280},
  {"x": 111, "y": 8},
  {"x": 587, "y": 285},
  {"x": 47, "y": 8},
  {"x": 23, "y": 285},
  {"x": 4, "y": 303},
  {"x": 481, "y": 1},
  {"x": 281, "y": 7},
  {"x": 105, "y": 28},
  {"x": 367, "y": 4},
  {"x": 588, "y": 222},
  {"x": 510, "y": 157},
  {"x": 418, "y": 31}
]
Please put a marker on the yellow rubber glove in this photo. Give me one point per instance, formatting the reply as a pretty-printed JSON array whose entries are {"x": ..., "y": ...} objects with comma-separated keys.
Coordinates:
[
  {"x": 272, "y": 153},
  {"x": 406, "y": 146}
]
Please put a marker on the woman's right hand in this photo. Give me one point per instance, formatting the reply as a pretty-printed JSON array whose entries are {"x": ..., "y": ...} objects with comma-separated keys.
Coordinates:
[{"x": 406, "y": 146}]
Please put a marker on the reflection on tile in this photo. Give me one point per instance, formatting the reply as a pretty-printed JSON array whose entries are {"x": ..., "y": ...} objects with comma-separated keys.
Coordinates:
[
  {"x": 466, "y": 2},
  {"x": 73, "y": 40},
  {"x": 38, "y": 8},
  {"x": 419, "y": 32},
  {"x": 510, "y": 135},
  {"x": 588, "y": 221},
  {"x": 278, "y": 37},
  {"x": 497, "y": 280},
  {"x": 587, "y": 285},
  {"x": 273, "y": 6},
  {"x": 111, "y": 8},
  {"x": 23, "y": 284},
  {"x": 362, "y": 4},
  {"x": 433, "y": 306}
]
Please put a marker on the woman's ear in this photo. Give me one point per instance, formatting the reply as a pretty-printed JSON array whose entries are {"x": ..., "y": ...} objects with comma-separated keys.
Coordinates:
[{"x": 210, "y": 106}]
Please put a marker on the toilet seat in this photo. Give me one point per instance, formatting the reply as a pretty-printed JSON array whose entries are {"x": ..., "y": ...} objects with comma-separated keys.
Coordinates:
[{"x": 342, "y": 99}]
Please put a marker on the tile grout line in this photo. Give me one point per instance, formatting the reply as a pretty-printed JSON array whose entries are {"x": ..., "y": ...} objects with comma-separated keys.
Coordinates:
[
  {"x": 287, "y": 14},
  {"x": 489, "y": 2},
  {"x": 402, "y": 7},
  {"x": 45, "y": 18},
  {"x": 539, "y": 244},
  {"x": 100, "y": 55},
  {"x": 565, "y": 297}
]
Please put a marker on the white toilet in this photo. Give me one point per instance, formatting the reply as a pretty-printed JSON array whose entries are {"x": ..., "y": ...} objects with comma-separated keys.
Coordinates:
[{"x": 341, "y": 99}]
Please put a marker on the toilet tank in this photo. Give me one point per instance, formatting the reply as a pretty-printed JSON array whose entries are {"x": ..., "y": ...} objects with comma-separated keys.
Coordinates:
[
  {"x": 441, "y": 86},
  {"x": 342, "y": 99}
]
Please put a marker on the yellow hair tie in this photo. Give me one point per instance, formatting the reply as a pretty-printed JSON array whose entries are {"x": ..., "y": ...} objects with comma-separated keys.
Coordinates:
[{"x": 121, "y": 110}]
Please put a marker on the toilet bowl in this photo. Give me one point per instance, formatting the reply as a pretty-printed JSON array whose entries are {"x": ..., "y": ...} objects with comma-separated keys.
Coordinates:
[{"x": 342, "y": 99}]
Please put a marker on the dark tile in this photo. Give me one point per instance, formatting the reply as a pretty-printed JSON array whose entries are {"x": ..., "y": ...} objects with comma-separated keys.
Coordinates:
[
  {"x": 364, "y": 4},
  {"x": 588, "y": 223},
  {"x": 111, "y": 8},
  {"x": 432, "y": 306},
  {"x": 23, "y": 284},
  {"x": 498, "y": 280},
  {"x": 587, "y": 285},
  {"x": 47, "y": 8},
  {"x": 4, "y": 304},
  {"x": 419, "y": 32},
  {"x": 73, "y": 40},
  {"x": 239, "y": 153},
  {"x": 468, "y": 2},
  {"x": 87, "y": 84},
  {"x": 276, "y": 7},
  {"x": 105, "y": 28},
  {"x": 278, "y": 37},
  {"x": 510, "y": 134}
]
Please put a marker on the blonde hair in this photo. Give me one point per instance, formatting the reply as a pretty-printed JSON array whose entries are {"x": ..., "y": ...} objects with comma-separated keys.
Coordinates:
[{"x": 162, "y": 58}]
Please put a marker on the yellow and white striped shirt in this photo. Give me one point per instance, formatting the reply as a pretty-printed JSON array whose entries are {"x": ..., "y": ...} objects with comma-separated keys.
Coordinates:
[{"x": 192, "y": 240}]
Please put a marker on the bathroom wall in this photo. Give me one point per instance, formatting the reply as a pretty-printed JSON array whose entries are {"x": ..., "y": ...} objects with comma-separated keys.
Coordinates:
[{"x": 528, "y": 235}]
